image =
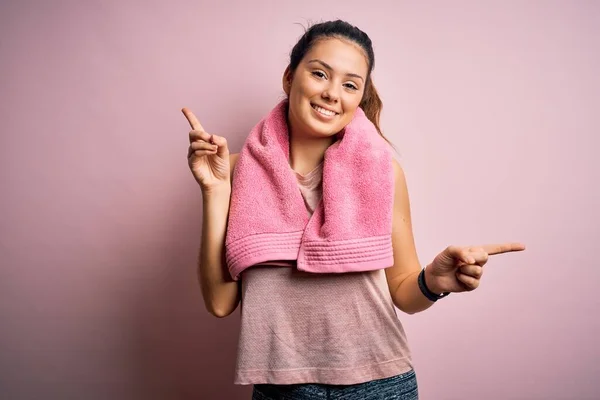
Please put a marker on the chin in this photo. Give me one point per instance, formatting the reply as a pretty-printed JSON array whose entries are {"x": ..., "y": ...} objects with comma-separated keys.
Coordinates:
[{"x": 322, "y": 130}]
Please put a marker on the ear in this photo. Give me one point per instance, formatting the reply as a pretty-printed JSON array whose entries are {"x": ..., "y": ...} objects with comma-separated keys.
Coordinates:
[{"x": 286, "y": 80}]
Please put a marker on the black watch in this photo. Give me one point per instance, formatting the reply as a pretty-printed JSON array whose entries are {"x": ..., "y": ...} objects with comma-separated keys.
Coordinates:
[{"x": 426, "y": 292}]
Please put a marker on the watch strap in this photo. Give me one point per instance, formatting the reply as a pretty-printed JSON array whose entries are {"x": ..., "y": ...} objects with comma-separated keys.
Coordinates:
[{"x": 425, "y": 290}]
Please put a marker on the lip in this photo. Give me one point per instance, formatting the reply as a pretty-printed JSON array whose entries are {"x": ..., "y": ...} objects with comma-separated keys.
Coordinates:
[
  {"x": 322, "y": 117},
  {"x": 327, "y": 108}
]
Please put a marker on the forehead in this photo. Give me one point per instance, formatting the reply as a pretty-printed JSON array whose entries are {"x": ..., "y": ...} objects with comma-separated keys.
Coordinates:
[{"x": 343, "y": 55}]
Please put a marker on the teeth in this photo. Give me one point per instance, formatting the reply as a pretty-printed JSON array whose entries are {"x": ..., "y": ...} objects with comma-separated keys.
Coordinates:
[{"x": 323, "y": 111}]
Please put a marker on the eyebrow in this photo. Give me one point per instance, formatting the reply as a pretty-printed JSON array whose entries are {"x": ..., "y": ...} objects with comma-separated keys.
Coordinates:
[{"x": 331, "y": 69}]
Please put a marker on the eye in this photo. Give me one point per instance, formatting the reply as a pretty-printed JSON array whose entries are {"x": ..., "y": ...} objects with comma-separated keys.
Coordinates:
[
  {"x": 350, "y": 85},
  {"x": 319, "y": 74}
]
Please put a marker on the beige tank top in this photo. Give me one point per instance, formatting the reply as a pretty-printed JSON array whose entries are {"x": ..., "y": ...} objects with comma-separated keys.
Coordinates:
[{"x": 299, "y": 327}]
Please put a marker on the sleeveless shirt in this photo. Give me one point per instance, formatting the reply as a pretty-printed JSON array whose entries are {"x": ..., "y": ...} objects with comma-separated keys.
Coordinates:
[{"x": 299, "y": 327}]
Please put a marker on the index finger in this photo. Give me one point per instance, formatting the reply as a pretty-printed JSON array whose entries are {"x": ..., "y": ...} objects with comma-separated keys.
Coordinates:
[
  {"x": 194, "y": 123},
  {"x": 492, "y": 249}
]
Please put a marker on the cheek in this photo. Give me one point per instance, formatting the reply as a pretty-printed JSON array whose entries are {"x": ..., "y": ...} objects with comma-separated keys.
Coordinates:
[
  {"x": 351, "y": 104},
  {"x": 299, "y": 91},
  {"x": 310, "y": 88}
]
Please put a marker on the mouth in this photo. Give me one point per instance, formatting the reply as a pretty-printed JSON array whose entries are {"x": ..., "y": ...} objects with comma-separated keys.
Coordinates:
[{"x": 324, "y": 111}]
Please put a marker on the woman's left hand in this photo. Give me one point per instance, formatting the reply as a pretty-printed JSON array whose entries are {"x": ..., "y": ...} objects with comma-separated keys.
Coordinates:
[{"x": 459, "y": 269}]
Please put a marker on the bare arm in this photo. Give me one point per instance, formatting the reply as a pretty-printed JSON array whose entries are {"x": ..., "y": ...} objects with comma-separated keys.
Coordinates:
[
  {"x": 456, "y": 269},
  {"x": 219, "y": 290},
  {"x": 402, "y": 276},
  {"x": 212, "y": 166}
]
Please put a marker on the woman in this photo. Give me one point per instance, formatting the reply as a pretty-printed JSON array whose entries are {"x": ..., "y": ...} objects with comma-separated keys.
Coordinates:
[{"x": 332, "y": 335}]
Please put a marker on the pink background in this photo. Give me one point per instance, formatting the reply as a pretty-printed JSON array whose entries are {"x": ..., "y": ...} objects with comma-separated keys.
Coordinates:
[{"x": 494, "y": 106}]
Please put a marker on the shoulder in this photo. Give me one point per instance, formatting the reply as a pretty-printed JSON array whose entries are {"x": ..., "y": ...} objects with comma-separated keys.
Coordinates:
[
  {"x": 401, "y": 198},
  {"x": 398, "y": 172},
  {"x": 399, "y": 177},
  {"x": 232, "y": 161}
]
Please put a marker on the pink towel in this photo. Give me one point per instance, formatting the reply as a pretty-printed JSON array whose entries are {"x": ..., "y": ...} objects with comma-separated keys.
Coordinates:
[{"x": 351, "y": 227}]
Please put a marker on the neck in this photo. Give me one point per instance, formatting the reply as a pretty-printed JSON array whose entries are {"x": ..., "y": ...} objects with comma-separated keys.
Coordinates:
[{"x": 307, "y": 152}]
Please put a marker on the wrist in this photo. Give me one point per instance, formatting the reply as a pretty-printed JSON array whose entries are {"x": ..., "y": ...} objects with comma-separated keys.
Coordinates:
[
  {"x": 216, "y": 191},
  {"x": 427, "y": 290},
  {"x": 431, "y": 281}
]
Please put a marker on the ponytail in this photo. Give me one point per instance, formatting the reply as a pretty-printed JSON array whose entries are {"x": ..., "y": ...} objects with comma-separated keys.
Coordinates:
[{"x": 371, "y": 104}]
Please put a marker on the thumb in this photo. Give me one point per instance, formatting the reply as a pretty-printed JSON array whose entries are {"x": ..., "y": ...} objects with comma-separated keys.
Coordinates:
[
  {"x": 460, "y": 253},
  {"x": 221, "y": 143}
]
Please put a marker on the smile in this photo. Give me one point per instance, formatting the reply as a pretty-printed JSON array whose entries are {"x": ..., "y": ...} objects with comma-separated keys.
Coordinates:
[{"x": 324, "y": 111}]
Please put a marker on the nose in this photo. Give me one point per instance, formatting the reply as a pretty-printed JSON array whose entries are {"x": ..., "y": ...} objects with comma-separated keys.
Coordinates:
[{"x": 330, "y": 94}]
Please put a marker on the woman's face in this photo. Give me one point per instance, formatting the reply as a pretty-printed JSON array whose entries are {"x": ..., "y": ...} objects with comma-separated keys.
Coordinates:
[{"x": 326, "y": 88}]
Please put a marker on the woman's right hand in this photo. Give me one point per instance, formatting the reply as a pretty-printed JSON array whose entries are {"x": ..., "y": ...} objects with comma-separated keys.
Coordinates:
[{"x": 208, "y": 156}]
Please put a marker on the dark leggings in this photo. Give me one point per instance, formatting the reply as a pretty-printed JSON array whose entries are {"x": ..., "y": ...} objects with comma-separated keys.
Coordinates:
[{"x": 399, "y": 387}]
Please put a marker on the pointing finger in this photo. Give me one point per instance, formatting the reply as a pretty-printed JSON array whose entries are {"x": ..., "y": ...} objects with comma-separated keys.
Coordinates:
[
  {"x": 492, "y": 249},
  {"x": 194, "y": 123}
]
